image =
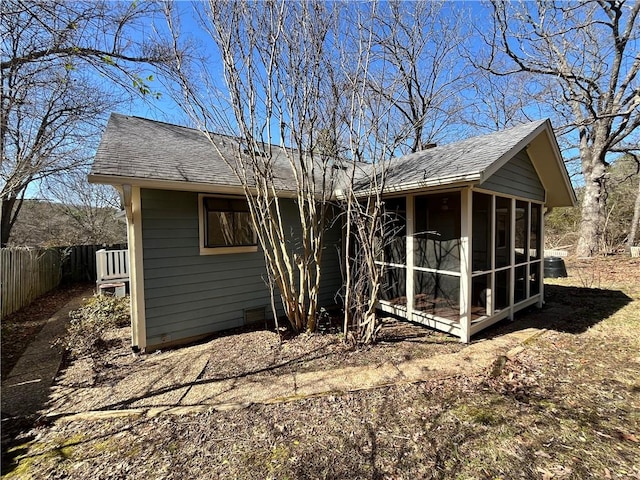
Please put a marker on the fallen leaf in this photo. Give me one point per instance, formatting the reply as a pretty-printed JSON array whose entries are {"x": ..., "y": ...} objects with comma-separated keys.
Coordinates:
[
  {"x": 546, "y": 474},
  {"x": 562, "y": 471},
  {"x": 543, "y": 454},
  {"x": 628, "y": 436}
]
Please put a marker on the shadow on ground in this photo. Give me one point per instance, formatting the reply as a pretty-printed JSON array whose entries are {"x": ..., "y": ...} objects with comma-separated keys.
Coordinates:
[
  {"x": 12, "y": 448},
  {"x": 567, "y": 309},
  {"x": 181, "y": 389},
  {"x": 20, "y": 330}
]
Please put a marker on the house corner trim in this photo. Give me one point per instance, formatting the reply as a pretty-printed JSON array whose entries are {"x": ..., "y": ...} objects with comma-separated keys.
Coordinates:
[{"x": 136, "y": 273}]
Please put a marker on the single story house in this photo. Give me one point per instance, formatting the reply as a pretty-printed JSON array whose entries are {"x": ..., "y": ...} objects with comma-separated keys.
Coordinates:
[{"x": 467, "y": 251}]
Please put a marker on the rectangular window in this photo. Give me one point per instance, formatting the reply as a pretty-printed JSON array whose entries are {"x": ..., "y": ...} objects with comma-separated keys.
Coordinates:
[
  {"x": 226, "y": 226},
  {"x": 503, "y": 288},
  {"x": 393, "y": 286},
  {"x": 522, "y": 217},
  {"x": 520, "y": 284},
  {"x": 534, "y": 232},
  {"x": 480, "y": 296},
  {"x": 437, "y": 294},
  {"x": 534, "y": 279},
  {"x": 481, "y": 252}
]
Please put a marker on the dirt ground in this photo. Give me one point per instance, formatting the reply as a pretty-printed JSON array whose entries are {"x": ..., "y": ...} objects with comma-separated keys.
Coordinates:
[
  {"x": 246, "y": 351},
  {"x": 568, "y": 406},
  {"x": 19, "y": 328}
]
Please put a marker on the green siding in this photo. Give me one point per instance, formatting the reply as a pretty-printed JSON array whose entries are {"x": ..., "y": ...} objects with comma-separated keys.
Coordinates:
[
  {"x": 188, "y": 294},
  {"x": 331, "y": 279},
  {"x": 331, "y": 276},
  {"x": 518, "y": 177}
]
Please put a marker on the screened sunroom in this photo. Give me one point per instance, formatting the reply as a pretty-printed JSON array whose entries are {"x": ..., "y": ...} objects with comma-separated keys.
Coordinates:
[
  {"x": 462, "y": 260},
  {"x": 465, "y": 250}
]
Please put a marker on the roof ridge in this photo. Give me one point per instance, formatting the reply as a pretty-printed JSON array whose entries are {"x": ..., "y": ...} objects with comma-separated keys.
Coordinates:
[
  {"x": 184, "y": 127},
  {"x": 533, "y": 123},
  {"x": 196, "y": 129},
  {"x": 137, "y": 117}
]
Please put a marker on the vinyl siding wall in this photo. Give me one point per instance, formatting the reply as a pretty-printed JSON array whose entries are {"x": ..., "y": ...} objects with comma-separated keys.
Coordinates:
[
  {"x": 331, "y": 279},
  {"x": 188, "y": 294},
  {"x": 518, "y": 177}
]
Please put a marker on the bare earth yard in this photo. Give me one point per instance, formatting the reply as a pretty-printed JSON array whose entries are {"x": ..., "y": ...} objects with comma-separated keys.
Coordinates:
[
  {"x": 567, "y": 407},
  {"x": 19, "y": 328}
]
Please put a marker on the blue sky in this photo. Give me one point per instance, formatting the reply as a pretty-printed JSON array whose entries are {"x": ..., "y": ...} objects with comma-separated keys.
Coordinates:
[{"x": 165, "y": 109}]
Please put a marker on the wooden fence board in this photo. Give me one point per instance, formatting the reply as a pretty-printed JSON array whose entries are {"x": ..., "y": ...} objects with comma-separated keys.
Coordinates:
[
  {"x": 27, "y": 273},
  {"x": 79, "y": 262}
]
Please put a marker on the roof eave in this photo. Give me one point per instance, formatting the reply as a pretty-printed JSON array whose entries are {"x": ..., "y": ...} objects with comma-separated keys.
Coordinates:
[
  {"x": 453, "y": 181},
  {"x": 448, "y": 181},
  {"x": 156, "y": 184},
  {"x": 565, "y": 174},
  {"x": 548, "y": 176},
  {"x": 546, "y": 129}
]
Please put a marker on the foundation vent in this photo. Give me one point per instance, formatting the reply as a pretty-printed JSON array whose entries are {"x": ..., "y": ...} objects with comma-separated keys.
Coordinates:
[{"x": 254, "y": 316}]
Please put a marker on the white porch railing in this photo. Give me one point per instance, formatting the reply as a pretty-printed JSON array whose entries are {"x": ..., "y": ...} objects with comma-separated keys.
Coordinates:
[
  {"x": 555, "y": 253},
  {"x": 112, "y": 266},
  {"x": 635, "y": 252},
  {"x": 547, "y": 252}
]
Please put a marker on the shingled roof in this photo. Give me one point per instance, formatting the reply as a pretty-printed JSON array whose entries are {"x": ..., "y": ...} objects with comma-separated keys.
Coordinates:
[
  {"x": 471, "y": 159},
  {"x": 134, "y": 148}
]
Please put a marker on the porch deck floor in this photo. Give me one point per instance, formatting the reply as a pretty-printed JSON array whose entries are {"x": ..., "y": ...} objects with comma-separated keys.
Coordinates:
[{"x": 439, "y": 307}]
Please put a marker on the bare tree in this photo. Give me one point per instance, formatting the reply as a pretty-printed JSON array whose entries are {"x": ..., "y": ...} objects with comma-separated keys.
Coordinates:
[
  {"x": 410, "y": 74},
  {"x": 90, "y": 210},
  {"x": 635, "y": 220},
  {"x": 64, "y": 65},
  {"x": 369, "y": 138},
  {"x": 495, "y": 103},
  {"x": 583, "y": 56},
  {"x": 298, "y": 74},
  {"x": 623, "y": 205},
  {"x": 419, "y": 69},
  {"x": 277, "y": 72}
]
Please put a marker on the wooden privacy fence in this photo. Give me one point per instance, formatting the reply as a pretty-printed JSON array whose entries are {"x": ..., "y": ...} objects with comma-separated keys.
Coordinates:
[{"x": 25, "y": 274}]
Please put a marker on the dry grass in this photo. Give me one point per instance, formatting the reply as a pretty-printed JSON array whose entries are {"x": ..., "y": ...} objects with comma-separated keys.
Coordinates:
[{"x": 568, "y": 407}]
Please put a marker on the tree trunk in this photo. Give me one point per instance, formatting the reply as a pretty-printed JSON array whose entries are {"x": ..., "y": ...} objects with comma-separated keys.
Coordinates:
[
  {"x": 635, "y": 223},
  {"x": 6, "y": 220},
  {"x": 593, "y": 212}
]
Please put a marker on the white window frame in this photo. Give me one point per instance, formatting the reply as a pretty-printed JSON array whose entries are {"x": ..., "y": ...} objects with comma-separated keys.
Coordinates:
[{"x": 202, "y": 226}]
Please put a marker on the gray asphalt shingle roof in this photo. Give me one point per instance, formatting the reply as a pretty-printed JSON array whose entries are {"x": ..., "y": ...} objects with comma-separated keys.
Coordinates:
[
  {"x": 138, "y": 148},
  {"x": 464, "y": 158},
  {"x": 134, "y": 147}
]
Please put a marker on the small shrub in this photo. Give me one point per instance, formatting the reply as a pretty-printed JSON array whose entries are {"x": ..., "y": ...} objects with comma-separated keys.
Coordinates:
[
  {"x": 85, "y": 335},
  {"x": 112, "y": 311}
]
